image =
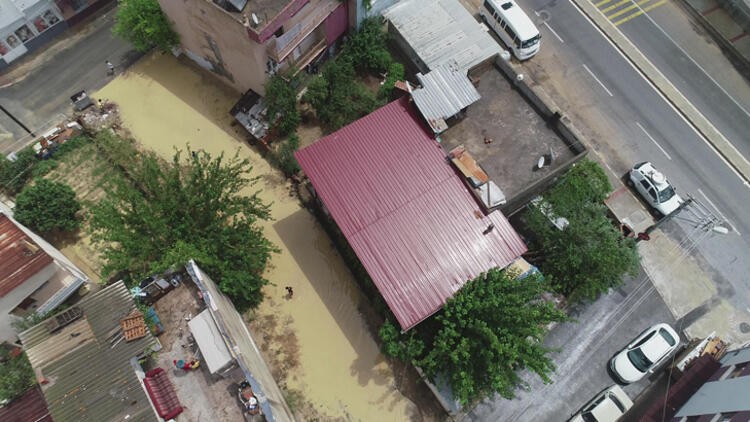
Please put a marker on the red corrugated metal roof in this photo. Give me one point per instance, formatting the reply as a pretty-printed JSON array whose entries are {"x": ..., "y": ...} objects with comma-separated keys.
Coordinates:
[
  {"x": 408, "y": 216},
  {"x": 30, "y": 407},
  {"x": 20, "y": 257}
]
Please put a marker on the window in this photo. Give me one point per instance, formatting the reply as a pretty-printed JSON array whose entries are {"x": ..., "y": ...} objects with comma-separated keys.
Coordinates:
[
  {"x": 531, "y": 42},
  {"x": 78, "y": 4},
  {"x": 510, "y": 32},
  {"x": 639, "y": 360},
  {"x": 666, "y": 194},
  {"x": 646, "y": 185},
  {"x": 12, "y": 41},
  {"x": 3, "y": 49},
  {"x": 50, "y": 17},
  {"x": 24, "y": 33},
  {"x": 652, "y": 194},
  {"x": 667, "y": 337}
]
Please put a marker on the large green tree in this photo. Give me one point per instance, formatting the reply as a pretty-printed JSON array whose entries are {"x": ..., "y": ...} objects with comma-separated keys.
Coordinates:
[
  {"x": 589, "y": 256},
  {"x": 281, "y": 99},
  {"x": 142, "y": 23},
  {"x": 163, "y": 214},
  {"x": 491, "y": 328},
  {"x": 47, "y": 206}
]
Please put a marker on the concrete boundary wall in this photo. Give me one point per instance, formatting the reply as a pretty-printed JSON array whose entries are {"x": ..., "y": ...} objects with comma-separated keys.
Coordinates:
[
  {"x": 707, "y": 130},
  {"x": 549, "y": 111}
]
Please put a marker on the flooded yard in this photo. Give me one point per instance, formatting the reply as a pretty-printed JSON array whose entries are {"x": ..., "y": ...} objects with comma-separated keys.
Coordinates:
[{"x": 317, "y": 342}]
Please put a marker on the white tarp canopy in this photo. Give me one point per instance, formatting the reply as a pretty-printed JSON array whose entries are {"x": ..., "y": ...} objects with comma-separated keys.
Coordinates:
[{"x": 215, "y": 353}]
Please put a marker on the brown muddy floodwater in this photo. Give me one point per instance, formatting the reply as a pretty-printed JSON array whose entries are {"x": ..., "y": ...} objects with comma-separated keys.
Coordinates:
[{"x": 336, "y": 365}]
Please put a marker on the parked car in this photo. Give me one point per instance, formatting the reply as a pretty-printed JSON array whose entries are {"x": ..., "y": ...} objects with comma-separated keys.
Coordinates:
[
  {"x": 645, "y": 353},
  {"x": 654, "y": 187},
  {"x": 607, "y": 406}
]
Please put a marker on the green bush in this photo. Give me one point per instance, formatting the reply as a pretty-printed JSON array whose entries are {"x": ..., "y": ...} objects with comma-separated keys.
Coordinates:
[
  {"x": 15, "y": 174},
  {"x": 16, "y": 375},
  {"x": 46, "y": 206},
  {"x": 285, "y": 156},
  {"x": 366, "y": 48},
  {"x": 281, "y": 99},
  {"x": 395, "y": 73}
]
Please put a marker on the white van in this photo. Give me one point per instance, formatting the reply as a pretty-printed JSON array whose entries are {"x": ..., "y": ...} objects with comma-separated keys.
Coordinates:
[{"x": 512, "y": 25}]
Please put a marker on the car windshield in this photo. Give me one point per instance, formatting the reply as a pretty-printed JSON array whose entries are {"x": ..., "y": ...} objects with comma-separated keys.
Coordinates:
[
  {"x": 639, "y": 360},
  {"x": 530, "y": 42},
  {"x": 588, "y": 417},
  {"x": 667, "y": 337},
  {"x": 666, "y": 194}
]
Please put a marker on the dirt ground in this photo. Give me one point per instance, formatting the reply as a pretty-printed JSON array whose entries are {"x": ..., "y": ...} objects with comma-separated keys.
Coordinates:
[{"x": 317, "y": 342}]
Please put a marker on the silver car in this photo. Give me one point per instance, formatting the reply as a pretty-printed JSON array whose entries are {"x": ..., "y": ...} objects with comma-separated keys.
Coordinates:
[{"x": 654, "y": 187}]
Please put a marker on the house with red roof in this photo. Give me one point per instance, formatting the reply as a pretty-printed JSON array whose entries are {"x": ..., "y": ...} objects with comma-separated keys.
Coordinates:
[
  {"x": 406, "y": 213},
  {"x": 34, "y": 276}
]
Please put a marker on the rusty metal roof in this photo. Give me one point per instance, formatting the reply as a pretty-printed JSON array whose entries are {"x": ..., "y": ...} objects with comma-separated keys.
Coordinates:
[
  {"x": 415, "y": 227},
  {"x": 20, "y": 257},
  {"x": 30, "y": 407}
]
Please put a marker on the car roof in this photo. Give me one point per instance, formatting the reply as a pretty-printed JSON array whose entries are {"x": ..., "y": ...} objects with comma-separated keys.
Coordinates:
[
  {"x": 607, "y": 409},
  {"x": 660, "y": 181},
  {"x": 656, "y": 347}
]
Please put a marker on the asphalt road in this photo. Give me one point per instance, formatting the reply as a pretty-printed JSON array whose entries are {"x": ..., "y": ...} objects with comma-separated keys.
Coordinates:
[
  {"x": 45, "y": 92},
  {"x": 629, "y": 122},
  {"x": 585, "y": 347}
]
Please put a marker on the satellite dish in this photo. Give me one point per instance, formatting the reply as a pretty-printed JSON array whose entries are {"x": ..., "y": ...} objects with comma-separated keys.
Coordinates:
[{"x": 658, "y": 178}]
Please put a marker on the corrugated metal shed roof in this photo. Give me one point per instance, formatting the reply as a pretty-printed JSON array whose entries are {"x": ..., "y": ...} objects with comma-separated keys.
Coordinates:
[
  {"x": 20, "y": 257},
  {"x": 441, "y": 32},
  {"x": 445, "y": 91},
  {"x": 89, "y": 373},
  {"x": 409, "y": 218},
  {"x": 30, "y": 407}
]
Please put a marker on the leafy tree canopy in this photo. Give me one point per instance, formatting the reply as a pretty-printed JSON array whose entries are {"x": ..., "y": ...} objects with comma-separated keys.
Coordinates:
[
  {"x": 493, "y": 327},
  {"x": 281, "y": 99},
  {"x": 47, "y": 206},
  {"x": 142, "y": 23},
  {"x": 16, "y": 375},
  {"x": 14, "y": 174},
  {"x": 589, "y": 256},
  {"x": 163, "y": 214}
]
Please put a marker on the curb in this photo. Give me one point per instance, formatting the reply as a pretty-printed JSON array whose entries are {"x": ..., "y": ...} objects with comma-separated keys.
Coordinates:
[{"x": 686, "y": 109}]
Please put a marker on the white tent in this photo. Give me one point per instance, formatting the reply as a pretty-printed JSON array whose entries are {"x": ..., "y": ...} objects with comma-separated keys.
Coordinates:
[{"x": 215, "y": 353}]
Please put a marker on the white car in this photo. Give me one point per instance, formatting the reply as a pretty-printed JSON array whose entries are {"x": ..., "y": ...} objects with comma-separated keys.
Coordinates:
[
  {"x": 645, "y": 353},
  {"x": 654, "y": 188},
  {"x": 608, "y": 406}
]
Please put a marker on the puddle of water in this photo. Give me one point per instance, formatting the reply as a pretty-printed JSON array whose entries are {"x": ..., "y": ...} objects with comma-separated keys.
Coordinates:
[{"x": 166, "y": 104}]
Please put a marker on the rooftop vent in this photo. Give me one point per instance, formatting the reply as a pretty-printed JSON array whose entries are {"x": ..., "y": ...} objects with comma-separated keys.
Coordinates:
[{"x": 29, "y": 248}]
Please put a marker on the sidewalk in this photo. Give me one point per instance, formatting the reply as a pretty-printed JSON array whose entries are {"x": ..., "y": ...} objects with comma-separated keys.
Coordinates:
[
  {"x": 689, "y": 293},
  {"x": 728, "y": 26}
]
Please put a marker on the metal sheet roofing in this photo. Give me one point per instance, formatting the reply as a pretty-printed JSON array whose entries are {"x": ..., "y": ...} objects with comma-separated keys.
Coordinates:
[
  {"x": 89, "y": 374},
  {"x": 441, "y": 32},
  {"x": 20, "y": 257},
  {"x": 445, "y": 91},
  {"x": 30, "y": 407},
  {"x": 407, "y": 215}
]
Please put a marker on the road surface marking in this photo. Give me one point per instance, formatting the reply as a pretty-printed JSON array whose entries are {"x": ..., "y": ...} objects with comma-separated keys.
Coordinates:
[
  {"x": 640, "y": 12},
  {"x": 682, "y": 50},
  {"x": 728, "y": 221},
  {"x": 624, "y": 10},
  {"x": 544, "y": 22},
  {"x": 553, "y": 32},
  {"x": 597, "y": 80},
  {"x": 615, "y": 6},
  {"x": 602, "y": 2},
  {"x": 654, "y": 141}
]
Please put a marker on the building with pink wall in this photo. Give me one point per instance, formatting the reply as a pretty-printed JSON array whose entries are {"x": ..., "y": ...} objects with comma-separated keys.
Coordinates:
[{"x": 243, "y": 42}]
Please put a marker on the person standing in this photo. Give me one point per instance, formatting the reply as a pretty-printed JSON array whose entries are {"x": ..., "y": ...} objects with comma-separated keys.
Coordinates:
[{"x": 110, "y": 68}]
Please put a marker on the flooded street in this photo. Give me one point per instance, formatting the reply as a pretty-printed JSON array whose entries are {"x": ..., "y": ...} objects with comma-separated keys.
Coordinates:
[{"x": 325, "y": 349}]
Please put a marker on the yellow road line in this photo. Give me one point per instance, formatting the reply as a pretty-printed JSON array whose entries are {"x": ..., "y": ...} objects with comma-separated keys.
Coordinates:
[
  {"x": 640, "y": 12},
  {"x": 627, "y": 9},
  {"x": 599, "y": 3},
  {"x": 616, "y": 5}
]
